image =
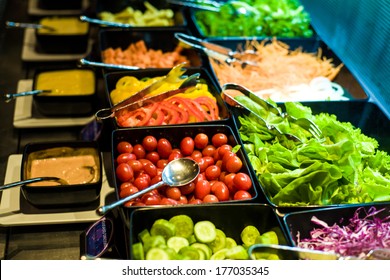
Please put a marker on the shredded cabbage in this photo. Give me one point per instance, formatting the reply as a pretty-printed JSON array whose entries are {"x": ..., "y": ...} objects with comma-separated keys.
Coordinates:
[{"x": 364, "y": 232}]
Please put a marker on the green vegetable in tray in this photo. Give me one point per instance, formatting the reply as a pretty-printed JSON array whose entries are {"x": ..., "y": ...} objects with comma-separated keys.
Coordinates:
[
  {"x": 272, "y": 18},
  {"x": 344, "y": 167},
  {"x": 164, "y": 241}
]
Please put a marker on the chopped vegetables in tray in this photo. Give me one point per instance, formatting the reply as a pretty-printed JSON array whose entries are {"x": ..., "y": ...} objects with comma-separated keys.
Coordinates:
[
  {"x": 364, "y": 232},
  {"x": 138, "y": 54},
  {"x": 194, "y": 105},
  {"x": 282, "y": 18},
  {"x": 345, "y": 166},
  {"x": 150, "y": 17},
  {"x": 279, "y": 71},
  {"x": 180, "y": 238}
]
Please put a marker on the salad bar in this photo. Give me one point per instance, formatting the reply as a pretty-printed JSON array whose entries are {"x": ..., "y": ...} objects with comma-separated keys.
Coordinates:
[{"x": 286, "y": 155}]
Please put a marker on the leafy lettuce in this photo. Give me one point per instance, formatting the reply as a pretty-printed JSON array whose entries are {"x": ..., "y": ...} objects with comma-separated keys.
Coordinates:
[{"x": 345, "y": 166}]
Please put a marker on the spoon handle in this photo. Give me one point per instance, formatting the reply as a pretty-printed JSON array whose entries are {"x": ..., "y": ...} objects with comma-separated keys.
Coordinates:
[
  {"x": 13, "y": 24},
  {"x": 84, "y": 61},
  {"x": 28, "y": 181},
  {"x": 104, "y": 209},
  {"x": 11, "y": 96}
]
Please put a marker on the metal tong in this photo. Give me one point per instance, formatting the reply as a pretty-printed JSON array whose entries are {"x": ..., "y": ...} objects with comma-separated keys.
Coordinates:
[
  {"x": 215, "y": 51},
  {"x": 302, "y": 122},
  {"x": 284, "y": 252},
  {"x": 138, "y": 100}
]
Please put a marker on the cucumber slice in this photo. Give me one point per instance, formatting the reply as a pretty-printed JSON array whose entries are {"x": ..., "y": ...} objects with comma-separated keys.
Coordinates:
[
  {"x": 269, "y": 237},
  {"x": 203, "y": 247},
  {"x": 184, "y": 225},
  {"x": 156, "y": 241},
  {"x": 157, "y": 254},
  {"x": 237, "y": 253},
  {"x": 202, "y": 254},
  {"x": 164, "y": 228},
  {"x": 177, "y": 242},
  {"x": 143, "y": 235},
  {"x": 220, "y": 255},
  {"x": 192, "y": 239},
  {"x": 190, "y": 252},
  {"x": 205, "y": 231},
  {"x": 138, "y": 251},
  {"x": 249, "y": 235},
  {"x": 171, "y": 252},
  {"x": 230, "y": 242},
  {"x": 219, "y": 241}
]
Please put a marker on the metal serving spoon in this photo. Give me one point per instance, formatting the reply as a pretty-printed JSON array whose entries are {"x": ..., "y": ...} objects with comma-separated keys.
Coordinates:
[
  {"x": 11, "y": 96},
  {"x": 33, "y": 180},
  {"x": 177, "y": 173},
  {"x": 105, "y": 22},
  {"x": 12, "y": 24}
]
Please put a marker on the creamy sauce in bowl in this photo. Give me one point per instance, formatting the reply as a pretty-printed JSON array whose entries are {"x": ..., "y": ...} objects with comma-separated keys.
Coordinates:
[
  {"x": 76, "y": 166},
  {"x": 63, "y": 26}
]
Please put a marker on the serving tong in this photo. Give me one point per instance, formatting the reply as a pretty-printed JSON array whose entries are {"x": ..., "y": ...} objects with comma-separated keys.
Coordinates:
[
  {"x": 139, "y": 100},
  {"x": 290, "y": 253},
  {"x": 305, "y": 123},
  {"x": 217, "y": 51}
]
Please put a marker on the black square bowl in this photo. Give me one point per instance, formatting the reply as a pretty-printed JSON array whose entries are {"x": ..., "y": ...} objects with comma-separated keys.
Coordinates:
[
  {"x": 231, "y": 219},
  {"x": 174, "y": 134},
  {"x": 300, "y": 222},
  {"x": 68, "y": 96},
  {"x": 72, "y": 40},
  {"x": 77, "y": 192},
  {"x": 365, "y": 116},
  {"x": 60, "y": 4},
  {"x": 112, "y": 78},
  {"x": 117, "y": 6},
  {"x": 154, "y": 38}
]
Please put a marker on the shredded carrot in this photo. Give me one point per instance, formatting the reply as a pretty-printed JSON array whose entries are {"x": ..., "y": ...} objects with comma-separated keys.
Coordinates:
[
  {"x": 137, "y": 54},
  {"x": 276, "y": 67}
]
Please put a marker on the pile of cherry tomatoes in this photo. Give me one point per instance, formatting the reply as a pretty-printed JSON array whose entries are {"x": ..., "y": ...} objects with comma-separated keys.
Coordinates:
[{"x": 220, "y": 177}]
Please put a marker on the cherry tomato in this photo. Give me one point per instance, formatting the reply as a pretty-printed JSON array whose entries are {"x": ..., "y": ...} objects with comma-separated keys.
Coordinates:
[
  {"x": 124, "y": 172},
  {"x": 145, "y": 176},
  {"x": 229, "y": 182},
  {"x": 226, "y": 157},
  {"x": 161, "y": 163},
  {"x": 141, "y": 183},
  {"x": 150, "y": 143},
  {"x": 136, "y": 165},
  {"x": 219, "y": 139},
  {"x": 195, "y": 201},
  {"x": 175, "y": 155},
  {"x": 234, "y": 164},
  {"x": 126, "y": 190},
  {"x": 124, "y": 147},
  {"x": 187, "y": 145},
  {"x": 212, "y": 172},
  {"x": 139, "y": 151},
  {"x": 168, "y": 201},
  {"x": 150, "y": 169},
  {"x": 151, "y": 199},
  {"x": 164, "y": 148},
  {"x": 196, "y": 154},
  {"x": 221, "y": 191},
  {"x": 125, "y": 157},
  {"x": 202, "y": 164},
  {"x": 201, "y": 140},
  {"x": 208, "y": 151},
  {"x": 155, "y": 179},
  {"x": 242, "y": 195},
  {"x": 242, "y": 181},
  {"x": 202, "y": 188},
  {"x": 153, "y": 157},
  {"x": 210, "y": 198},
  {"x": 173, "y": 192},
  {"x": 183, "y": 200},
  {"x": 223, "y": 149},
  {"x": 188, "y": 189}
]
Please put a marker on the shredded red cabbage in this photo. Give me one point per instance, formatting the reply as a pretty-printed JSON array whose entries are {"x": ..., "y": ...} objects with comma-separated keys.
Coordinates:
[{"x": 355, "y": 239}]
